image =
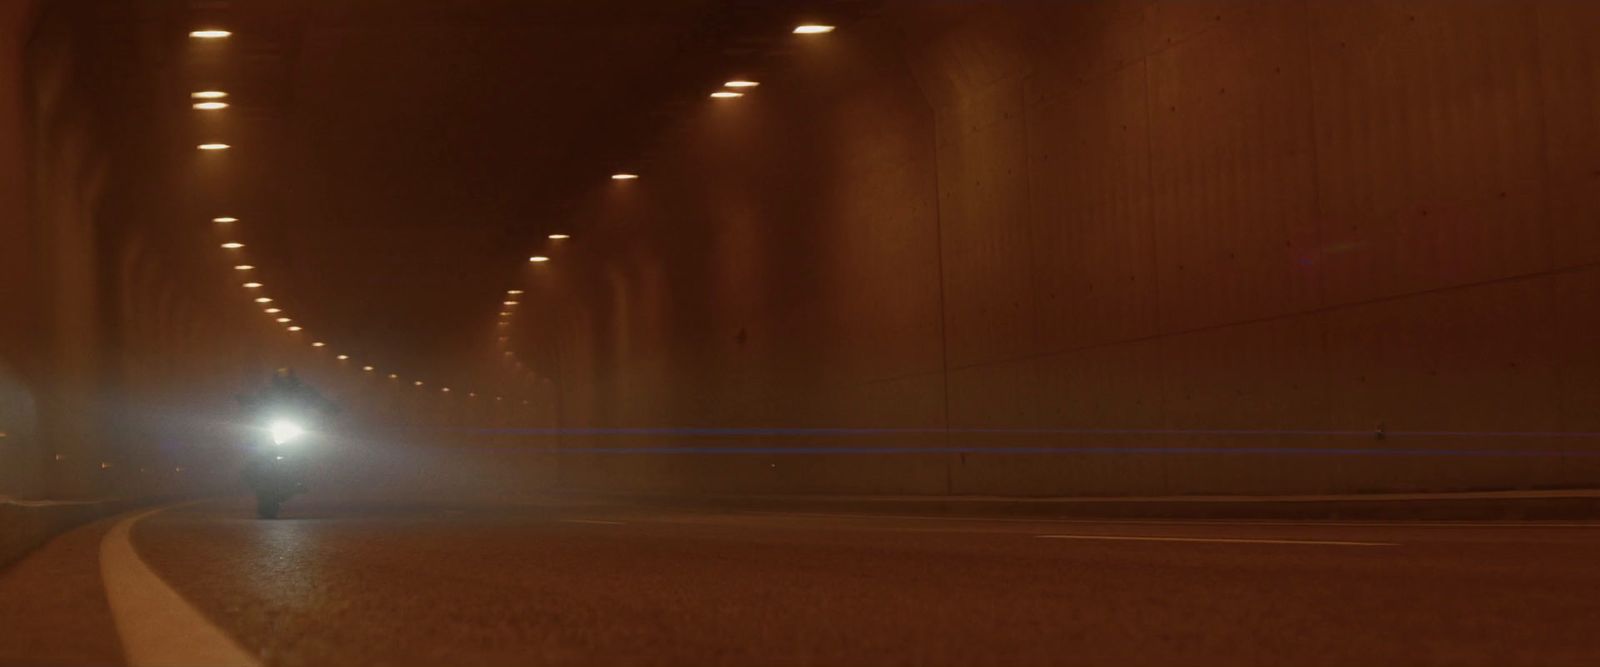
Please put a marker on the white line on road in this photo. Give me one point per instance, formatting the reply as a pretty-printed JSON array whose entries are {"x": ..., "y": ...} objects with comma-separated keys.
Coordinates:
[
  {"x": 1224, "y": 540},
  {"x": 158, "y": 628},
  {"x": 594, "y": 521}
]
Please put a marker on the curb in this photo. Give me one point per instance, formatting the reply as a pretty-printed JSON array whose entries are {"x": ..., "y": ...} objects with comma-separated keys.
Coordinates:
[
  {"x": 1575, "y": 505},
  {"x": 25, "y": 525}
]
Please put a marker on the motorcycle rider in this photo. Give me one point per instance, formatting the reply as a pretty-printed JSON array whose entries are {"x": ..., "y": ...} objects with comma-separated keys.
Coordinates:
[{"x": 264, "y": 470}]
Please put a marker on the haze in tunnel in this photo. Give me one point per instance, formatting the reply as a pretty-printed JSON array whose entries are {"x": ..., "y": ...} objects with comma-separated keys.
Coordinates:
[{"x": 831, "y": 250}]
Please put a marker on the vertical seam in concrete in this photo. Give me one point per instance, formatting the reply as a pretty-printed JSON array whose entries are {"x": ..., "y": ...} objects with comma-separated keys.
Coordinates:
[
  {"x": 1155, "y": 250},
  {"x": 1320, "y": 320}
]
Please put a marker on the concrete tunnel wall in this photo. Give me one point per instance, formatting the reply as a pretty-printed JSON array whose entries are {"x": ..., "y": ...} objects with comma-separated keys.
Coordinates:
[{"x": 1297, "y": 223}]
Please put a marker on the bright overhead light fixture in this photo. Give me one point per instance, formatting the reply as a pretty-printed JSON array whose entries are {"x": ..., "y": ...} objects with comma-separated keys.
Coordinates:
[
  {"x": 394, "y": 376},
  {"x": 319, "y": 344},
  {"x": 284, "y": 320},
  {"x": 510, "y": 303},
  {"x": 368, "y": 369},
  {"x": 445, "y": 389},
  {"x": 418, "y": 383},
  {"x": 559, "y": 237},
  {"x": 210, "y": 33},
  {"x": 233, "y": 245},
  {"x": 252, "y": 285},
  {"x": 210, "y": 106},
  {"x": 207, "y": 95},
  {"x": 505, "y": 313},
  {"x": 343, "y": 357},
  {"x": 741, "y": 83},
  {"x": 812, "y": 29},
  {"x": 226, "y": 218},
  {"x": 263, "y": 299},
  {"x": 213, "y": 147},
  {"x": 295, "y": 328},
  {"x": 272, "y": 311},
  {"x": 513, "y": 291},
  {"x": 243, "y": 267},
  {"x": 624, "y": 177},
  {"x": 725, "y": 94},
  {"x": 538, "y": 258}
]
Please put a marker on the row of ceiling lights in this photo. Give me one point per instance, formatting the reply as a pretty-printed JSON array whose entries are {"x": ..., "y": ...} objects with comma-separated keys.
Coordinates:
[
  {"x": 732, "y": 89},
  {"x": 211, "y": 100}
]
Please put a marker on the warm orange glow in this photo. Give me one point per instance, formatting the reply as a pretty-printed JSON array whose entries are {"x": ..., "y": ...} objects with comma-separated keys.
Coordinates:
[
  {"x": 208, "y": 95},
  {"x": 513, "y": 292},
  {"x": 394, "y": 376},
  {"x": 510, "y": 303},
  {"x": 210, "y": 33},
  {"x": 271, "y": 311},
  {"x": 538, "y": 258},
  {"x": 343, "y": 357},
  {"x": 210, "y": 106},
  {"x": 368, "y": 369},
  {"x": 725, "y": 94},
  {"x": 262, "y": 299},
  {"x": 741, "y": 83},
  {"x": 559, "y": 237},
  {"x": 252, "y": 285},
  {"x": 319, "y": 344},
  {"x": 624, "y": 177},
  {"x": 812, "y": 29},
  {"x": 445, "y": 389},
  {"x": 295, "y": 328},
  {"x": 213, "y": 147},
  {"x": 284, "y": 320},
  {"x": 225, "y": 219},
  {"x": 233, "y": 245},
  {"x": 505, "y": 314},
  {"x": 243, "y": 267},
  {"x": 418, "y": 383}
]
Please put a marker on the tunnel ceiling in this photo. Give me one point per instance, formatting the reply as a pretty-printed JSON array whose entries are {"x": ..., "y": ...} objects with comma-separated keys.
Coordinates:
[{"x": 394, "y": 162}]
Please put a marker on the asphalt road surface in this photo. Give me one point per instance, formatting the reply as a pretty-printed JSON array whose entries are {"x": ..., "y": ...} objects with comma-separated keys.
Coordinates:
[{"x": 342, "y": 584}]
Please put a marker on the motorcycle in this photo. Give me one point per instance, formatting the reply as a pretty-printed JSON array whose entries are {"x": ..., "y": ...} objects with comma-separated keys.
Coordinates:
[{"x": 276, "y": 466}]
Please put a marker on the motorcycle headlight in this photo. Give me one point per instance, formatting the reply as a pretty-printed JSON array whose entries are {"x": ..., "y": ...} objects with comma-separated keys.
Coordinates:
[{"x": 284, "y": 431}]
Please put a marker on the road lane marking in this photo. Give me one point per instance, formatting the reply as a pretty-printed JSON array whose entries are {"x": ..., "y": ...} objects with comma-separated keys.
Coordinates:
[
  {"x": 594, "y": 521},
  {"x": 157, "y": 627},
  {"x": 1221, "y": 540}
]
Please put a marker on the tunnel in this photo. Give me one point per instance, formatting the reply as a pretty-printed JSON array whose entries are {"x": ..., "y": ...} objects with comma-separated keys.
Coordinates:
[{"x": 782, "y": 254}]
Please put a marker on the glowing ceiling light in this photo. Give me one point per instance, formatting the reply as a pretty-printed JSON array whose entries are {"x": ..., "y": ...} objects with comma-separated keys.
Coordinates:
[
  {"x": 207, "y": 95},
  {"x": 210, "y": 106},
  {"x": 213, "y": 147},
  {"x": 472, "y": 394},
  {"x": 513, "y": 292},
  {"x": 233, "y": 245},
  {"x": 624, "y": 177},
  {"x": 343, "y": 357},
  {"x": 812, "y": 29},
  {"x": 538, "y": 258},
  {"x": 252, "y": 285},
  {"x": 210, "y": 33},
  {"x": 262, "y": 299},
  {"x": 319, "y": 344},
  {"x": 505, "y": 314},
  {"x": 243, "y": 267},
  {"x": 225, "y": 218},
  {"x": 418, "y": 383},
  {"x": 725, "y": 94},
  {"x": 295, "y": 328},
  {"x": 394, "y": 376},
  {"x": 559, "y": 237},
  {"x": 272, "y": 311},
  {"x": 284, "y": 320},
  {"x": 368, "y": 369},
  {"x": 741, "y": 83},
  {"x": 445, "y": 389},
  {"x": 510, "y": 303}
]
